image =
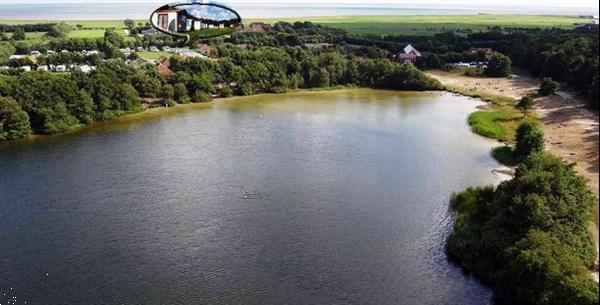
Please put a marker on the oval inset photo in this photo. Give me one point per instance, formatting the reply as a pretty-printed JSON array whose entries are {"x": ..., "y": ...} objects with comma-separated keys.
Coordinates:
[{"x": 196, "y": 19}]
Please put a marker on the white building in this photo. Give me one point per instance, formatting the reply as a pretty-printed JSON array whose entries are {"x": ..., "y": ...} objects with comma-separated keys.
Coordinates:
[
  {"x": 42, "y": 68},
  {"x": 185, "y": 52},
  {"x": 17, "y": 57},
  {"x": 154, "y": 49},
  {"x": 26, "y": 68},
  {"x": 60, "y": 68},
  {"x": 84, "y": 68},
  {"x": 166, "y": 20},
  {"x": 35, "y": 53}
]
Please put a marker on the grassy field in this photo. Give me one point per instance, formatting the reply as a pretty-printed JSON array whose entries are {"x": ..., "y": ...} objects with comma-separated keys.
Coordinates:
[
  {"x": 153, "y": 55},
  {"x": 430, "y": 24},
  {"x": 379, "y": 25}
]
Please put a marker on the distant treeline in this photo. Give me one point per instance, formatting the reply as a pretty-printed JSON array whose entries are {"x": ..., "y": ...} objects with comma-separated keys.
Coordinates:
[
  {"x": 565, "y": 56},
  {"x": 35, "y": 27}
]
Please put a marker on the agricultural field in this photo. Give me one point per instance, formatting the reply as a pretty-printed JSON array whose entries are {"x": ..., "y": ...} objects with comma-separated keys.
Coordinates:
[
  {"x": 360, "y": 25},
  {"x": 431, "y": 24}
]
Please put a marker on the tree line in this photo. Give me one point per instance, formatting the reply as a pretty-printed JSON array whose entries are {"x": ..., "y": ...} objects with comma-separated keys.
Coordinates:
[
  {"x": 563, "y": 55},
  {"x": 55, "y": 102}
]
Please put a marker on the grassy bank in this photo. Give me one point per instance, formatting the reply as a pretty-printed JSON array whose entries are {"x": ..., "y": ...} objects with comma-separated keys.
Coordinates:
[{"x": 498, "y": 121}]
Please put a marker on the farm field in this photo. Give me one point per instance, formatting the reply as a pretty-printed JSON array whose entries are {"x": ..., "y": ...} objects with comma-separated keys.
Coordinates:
[{"x": 431, "y": 24}]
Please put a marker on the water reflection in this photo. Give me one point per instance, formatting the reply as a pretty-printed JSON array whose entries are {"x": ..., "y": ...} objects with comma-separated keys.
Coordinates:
[{"x": 308, "y": 198}]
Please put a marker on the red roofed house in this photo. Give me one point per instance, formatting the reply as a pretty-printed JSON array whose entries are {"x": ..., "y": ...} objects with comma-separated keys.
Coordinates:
[
  {"x": 163, "y": 67},
  {"x": 408, "y": 54}
]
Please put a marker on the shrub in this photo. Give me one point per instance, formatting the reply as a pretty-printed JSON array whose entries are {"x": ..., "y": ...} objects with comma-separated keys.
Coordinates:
[
  {"x": 548, "y": 87},
  {"x": 525, "y": 104},
  {"x": 201, "y": 97},
  {"x": 499, "y": 66},
  {"x": 14, "y": 122},
  {"x": 529, "y": 138}
]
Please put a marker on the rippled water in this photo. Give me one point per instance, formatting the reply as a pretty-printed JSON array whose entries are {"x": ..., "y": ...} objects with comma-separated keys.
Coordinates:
[{"x": 307, "y": 198}]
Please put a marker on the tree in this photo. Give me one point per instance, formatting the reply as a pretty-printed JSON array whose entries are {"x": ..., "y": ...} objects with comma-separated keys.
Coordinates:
[
  {"x": 113, "y": 38},
  {"x": 498, "y": 66},
  {"x": 14, "y": 122},
  {"x": 167, "y": 91},
  {"x": 548, "y": 87},
  {"x": 529, "y": 138},
  {"x": 60, "y": 30},
  {"x": 130, "y": 25},
  {"x": 180, "y": 93},
  {"x": 19, "y": 34},
  {"x": 525, "y": 104}
]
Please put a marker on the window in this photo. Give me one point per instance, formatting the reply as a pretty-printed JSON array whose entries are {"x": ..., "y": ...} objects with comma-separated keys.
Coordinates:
[{"x": 163, "y": 21}]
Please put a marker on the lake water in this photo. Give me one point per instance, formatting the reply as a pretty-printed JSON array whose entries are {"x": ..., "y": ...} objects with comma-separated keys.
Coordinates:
[
  {"x": 86, "y": 10},
  {"x": 334, "y": 197}
]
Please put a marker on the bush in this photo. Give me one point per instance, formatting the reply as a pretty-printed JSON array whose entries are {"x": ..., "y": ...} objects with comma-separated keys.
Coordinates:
[
  {"x": 499, "y": 66},
  {"x": 226, "y": 91},
  {"x": 548, "y": 87},
  {"x": 525, "y": 104},
  {"x": 529, "y": 139},
  {"x": 14, "y": 122},
  {"x": 504, "y": 155},
  {"x": 201, "y": 97}
]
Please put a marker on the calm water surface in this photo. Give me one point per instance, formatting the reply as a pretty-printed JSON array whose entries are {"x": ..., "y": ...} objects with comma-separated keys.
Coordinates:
[{"x": 307, "y": 198}]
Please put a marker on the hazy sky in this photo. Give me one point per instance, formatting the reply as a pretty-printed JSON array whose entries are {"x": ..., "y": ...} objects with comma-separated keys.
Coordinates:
[{"x": 478, "y": 3}]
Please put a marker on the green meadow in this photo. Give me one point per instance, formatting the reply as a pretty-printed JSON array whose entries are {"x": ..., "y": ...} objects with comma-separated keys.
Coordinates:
[
  {"x": 359, "y": 25},
  {"x": 431, "y": 24}
]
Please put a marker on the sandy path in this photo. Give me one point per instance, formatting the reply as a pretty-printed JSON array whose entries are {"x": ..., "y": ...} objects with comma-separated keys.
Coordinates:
[
  {"x": 514, "y": 87},
  {"x": 571, "y": 130}
]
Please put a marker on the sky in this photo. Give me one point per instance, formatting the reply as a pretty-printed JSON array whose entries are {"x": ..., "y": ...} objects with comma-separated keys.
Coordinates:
[{"x": 442, "y": 3}]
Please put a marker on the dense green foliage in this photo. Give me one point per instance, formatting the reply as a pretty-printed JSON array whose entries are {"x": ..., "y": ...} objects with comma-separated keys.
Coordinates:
[
  {"x": 528, "y": 238},
  {"x": 57, "y": 102},
  {"x": 548, "y": 87},
  {"x": 564, "y": 55},
  {"x": 498, "y": 66},
  {"x": 529, "y": 139},
  {"x": 14, "y": 122}
]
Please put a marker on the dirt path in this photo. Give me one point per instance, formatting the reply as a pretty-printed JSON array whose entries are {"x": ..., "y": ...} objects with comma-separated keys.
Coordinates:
[{"x": 571, "y": 130}]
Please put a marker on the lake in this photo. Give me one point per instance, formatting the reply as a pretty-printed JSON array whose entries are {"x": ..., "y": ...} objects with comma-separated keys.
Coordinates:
[{"x": 337, "y": 197}]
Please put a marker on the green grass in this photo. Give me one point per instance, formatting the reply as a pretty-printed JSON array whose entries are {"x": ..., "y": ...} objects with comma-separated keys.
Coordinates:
[
  {"x": 153, "y": 55},
  {"x": 499, "y": 121},
  {"x": 491, "y": 124},
  {"x": 431, "y": 24}
]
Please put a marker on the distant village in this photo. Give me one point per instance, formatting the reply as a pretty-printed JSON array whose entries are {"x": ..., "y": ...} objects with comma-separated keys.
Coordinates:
[{"x": 408, "y": 54}]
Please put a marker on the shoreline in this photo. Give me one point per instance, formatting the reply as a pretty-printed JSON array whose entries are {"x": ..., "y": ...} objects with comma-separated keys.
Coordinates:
[
  {"x": 158, "y": 112},
  {"x": 563, "y": 117}
]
